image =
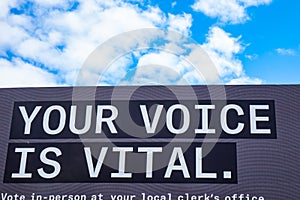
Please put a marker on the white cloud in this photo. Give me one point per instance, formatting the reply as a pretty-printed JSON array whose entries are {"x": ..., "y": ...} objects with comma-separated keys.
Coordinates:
[
  {"x": 251, "y": 57},
  {"x": 5, "y": 6},
  {"x": 283, "y": 51},
  {"x": 248, "y": 3},
  {"x": 50, "y": 3},
  {"x": 181, "y": 23},
  {"x": 163, "y": 59},
  {"x": 51, "y": 43},
  {"x": 173, "y": 4},
  {"x": 60, "y": 39},
  {"x": 116, "y": 72},
  {"x": 157, "y": 67},
  {"x": 11, "y": 36},
  {"x": 223, "y": 50},
  {"x": 222, "y": 42},
  {"x": 244, "y": 80},
  {"x": 165, "y": 67},
  {"x": 39, "y": 51},
  {"x": 154, "y": 75},
  {"x": 17, "y": 73},
  {"x": 232, "y": 11},
  {"x": 161, "y": 68}
]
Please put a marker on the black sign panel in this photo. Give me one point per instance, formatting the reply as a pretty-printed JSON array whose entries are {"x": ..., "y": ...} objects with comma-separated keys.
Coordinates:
[
  {"x": 128, "y": 119},
  {"x": 75, "y": 162},
  {"x": 150, "y": 143}
]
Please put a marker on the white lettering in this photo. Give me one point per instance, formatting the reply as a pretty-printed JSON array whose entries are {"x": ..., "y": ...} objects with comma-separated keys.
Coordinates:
[
  {"x": 108, "y": 120},
  {"x": 177, "y": 152},
  {"x": 28, "y": 120},
  {"x": 88, "y": 120},
  {"x": 199, "y": 170},
  {"x": 254, "y": 118},
  {"x": 185, "y": 121},
  {"x": 62, "y": 119},
  {"x": 94, "y": 172},
  {"x": 52, "y": 163},
  {"x": 24, "y": 152},
  {"x": 223, "y": 119},
  {"x": 150, "y": 128},
  {"x": 149, "y": 162},
  {"x": 122, "y": 160},
  {"x": 205, "y": 128}
]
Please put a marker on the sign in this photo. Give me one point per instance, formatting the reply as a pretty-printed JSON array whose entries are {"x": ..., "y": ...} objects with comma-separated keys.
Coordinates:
[{"x": 150, "y": 143}]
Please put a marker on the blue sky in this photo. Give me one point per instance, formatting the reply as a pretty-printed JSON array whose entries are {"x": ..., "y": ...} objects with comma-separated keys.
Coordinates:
[{"x": 46, "y": 43}]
